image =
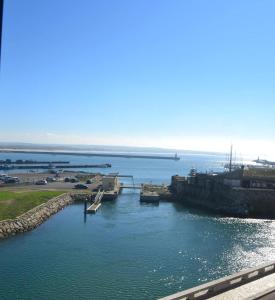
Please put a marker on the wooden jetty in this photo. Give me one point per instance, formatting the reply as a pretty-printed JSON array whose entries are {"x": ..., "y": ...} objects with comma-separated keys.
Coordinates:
[{"x": 97, "y": 203}]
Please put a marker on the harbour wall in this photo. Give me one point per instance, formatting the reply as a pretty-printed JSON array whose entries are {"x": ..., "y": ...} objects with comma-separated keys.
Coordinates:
[
  {"x": 90, "y": 154},
  {"x": 240, "y": 202},
  {"x": 34, "y": 217}
]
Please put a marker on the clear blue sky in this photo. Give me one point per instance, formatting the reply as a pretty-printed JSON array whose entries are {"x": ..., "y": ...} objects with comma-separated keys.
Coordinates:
[{"x": 174, "y": 73}]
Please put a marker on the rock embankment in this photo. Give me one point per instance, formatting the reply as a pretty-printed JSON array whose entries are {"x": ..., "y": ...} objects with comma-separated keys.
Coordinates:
[{"x": 34, "y": 217}]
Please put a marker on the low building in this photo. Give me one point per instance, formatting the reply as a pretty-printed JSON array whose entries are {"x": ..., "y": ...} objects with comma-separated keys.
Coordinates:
[{"x": 110, "y": 183}]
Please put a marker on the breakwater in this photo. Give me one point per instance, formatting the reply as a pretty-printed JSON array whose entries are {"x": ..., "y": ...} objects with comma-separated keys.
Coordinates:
[
  {"x": 31, "y": 162},
  {"x": 27, "y": 167},
  {"x": 91, "y": 154},
  {"x": 34, "y": 217}
]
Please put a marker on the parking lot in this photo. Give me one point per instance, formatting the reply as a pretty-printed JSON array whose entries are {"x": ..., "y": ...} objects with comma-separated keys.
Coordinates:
[{"x": 28, "y": 181}]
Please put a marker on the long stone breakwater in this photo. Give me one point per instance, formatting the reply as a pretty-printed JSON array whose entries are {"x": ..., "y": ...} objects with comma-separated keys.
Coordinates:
[
  {"x": 103, "y": 154},
  {"x": 34, "y": 217},
  {"x": 65, "y": 166}
]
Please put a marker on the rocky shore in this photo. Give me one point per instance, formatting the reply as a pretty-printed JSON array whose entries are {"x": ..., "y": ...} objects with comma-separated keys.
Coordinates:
[{"x": 34, "y": 217}]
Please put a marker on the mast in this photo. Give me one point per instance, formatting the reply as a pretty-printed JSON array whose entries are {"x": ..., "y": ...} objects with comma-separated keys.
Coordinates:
[{"x": 230, "y": 159}]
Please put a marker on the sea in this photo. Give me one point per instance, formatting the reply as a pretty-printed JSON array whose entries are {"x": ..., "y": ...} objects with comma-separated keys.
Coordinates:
[{"x": 129, "y": 250}]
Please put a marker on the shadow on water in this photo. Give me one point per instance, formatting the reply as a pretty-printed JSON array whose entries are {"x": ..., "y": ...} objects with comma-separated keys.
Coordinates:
[
  {"x": 85, "y": 211},
  {"x": 203, "y": 212},
  {"x": 149, "y": 204}
]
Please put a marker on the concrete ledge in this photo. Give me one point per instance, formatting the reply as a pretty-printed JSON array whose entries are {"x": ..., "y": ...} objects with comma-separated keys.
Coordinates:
[
  {"x": 255, "y": 290},
  {"x": 213, "y": 288},
  {"x": 266, "y": 293}
]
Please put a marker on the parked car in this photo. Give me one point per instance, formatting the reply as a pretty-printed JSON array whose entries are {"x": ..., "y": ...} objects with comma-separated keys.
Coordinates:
[
  {"x": 67, "y": 179},
  {"x": 80, "y": 186},
  {"x": 10, "y": 179},
  {"x": 52, "y": 171},
  {"x": 89, "y": 181},
  {"x": 41, "y": 182},
  {"x": 74, "y": 180},
  {"x": 51, "y": 179}
]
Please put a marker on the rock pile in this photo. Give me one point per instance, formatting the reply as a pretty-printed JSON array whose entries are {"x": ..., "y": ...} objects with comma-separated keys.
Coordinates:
[{"x": 34, "y": 217}]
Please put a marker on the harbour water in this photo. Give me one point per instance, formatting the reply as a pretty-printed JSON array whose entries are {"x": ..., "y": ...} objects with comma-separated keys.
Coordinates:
[{"x": 128, "y": 250}]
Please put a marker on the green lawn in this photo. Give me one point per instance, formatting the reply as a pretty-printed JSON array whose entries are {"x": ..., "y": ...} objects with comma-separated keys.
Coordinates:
[{"x": 13, "y": 204}]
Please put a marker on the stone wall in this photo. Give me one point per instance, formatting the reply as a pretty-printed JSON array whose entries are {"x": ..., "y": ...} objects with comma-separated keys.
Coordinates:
[
  {"x": 34, "y": 217},
  {"x": 241, "y": 202},
  {"x": 80, "y": 197},
  {"x": 260, "y": 202}
]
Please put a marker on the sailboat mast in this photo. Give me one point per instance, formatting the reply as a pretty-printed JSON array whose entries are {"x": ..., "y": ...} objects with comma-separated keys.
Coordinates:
[{"x": 230, "y": 159}]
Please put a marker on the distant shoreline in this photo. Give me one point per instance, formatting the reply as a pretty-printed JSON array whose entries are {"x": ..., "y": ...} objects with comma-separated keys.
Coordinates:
[
  {"x": 103, "y": 148},
  {"x": 76, "y": 153}
]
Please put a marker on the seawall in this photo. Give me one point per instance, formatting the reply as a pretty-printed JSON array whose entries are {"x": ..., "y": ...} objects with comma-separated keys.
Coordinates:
[
  {"x": 77, "y": 153},
  {"x": 240, "y": 202},
  {"x": 34, "y": 217}
]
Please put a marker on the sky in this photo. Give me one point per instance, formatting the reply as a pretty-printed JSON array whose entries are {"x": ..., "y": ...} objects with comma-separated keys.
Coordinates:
[{"x": 184, "y": 74}]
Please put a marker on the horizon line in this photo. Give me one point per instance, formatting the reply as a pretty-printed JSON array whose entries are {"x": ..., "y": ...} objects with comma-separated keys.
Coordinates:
[{"x": 16, "y": 144}]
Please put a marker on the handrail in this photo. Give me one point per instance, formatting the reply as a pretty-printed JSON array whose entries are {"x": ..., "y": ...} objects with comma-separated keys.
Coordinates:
[
  {"x": 99, "y": 196},
  {"x": 224, "y": 284}
]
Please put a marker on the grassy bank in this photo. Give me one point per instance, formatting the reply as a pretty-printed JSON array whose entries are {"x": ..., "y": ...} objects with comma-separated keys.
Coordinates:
[{"x": 13, "y": 204}]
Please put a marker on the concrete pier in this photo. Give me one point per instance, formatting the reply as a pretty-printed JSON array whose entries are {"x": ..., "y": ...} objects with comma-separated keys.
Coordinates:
[
  {"x": 93, "y": 208},
  {"x": 149, "y": 197},
  {"x": 153, "y": 193}
]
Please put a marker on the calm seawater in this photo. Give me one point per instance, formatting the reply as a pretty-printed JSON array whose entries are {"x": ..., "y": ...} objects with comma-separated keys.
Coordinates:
[{"x": 128, "y": 250}]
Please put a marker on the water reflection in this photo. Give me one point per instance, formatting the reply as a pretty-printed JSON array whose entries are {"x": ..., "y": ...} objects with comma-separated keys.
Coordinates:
[{"x": 85, "y": 211}]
